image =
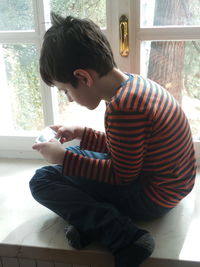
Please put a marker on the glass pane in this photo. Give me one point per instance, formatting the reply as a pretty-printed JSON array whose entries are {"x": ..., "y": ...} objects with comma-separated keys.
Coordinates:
[
  {"x": 16, "y": 15},
  {"x": 70, "y": 113},
  {"x": 175, "y": 65},
  {"x": 92, "y": 9},
  {"x": 170, "y": 12},
  {"x": 21, "y": 105}
]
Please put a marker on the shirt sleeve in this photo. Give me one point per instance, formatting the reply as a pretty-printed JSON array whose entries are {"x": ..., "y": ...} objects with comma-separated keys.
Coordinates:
[
  {"x": 126, "y": 138},
  {"x": 94, "y": 140}
]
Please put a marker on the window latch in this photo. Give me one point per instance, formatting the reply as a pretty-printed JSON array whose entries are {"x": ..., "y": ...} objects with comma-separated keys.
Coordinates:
[{"x": 124, "y": 36}]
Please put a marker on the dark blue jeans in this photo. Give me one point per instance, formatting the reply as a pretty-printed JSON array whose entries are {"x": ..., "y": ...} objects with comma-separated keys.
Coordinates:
[{"x": 100, "y": 211}]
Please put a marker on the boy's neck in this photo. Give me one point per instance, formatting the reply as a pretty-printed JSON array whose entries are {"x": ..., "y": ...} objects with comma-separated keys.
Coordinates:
[{"x": 108, "y": 84}]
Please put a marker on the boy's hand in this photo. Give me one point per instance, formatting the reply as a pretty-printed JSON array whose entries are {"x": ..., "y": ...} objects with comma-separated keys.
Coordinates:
[
  {"x": 52, "y": 151},
  {"x": 67, "y": 134}
]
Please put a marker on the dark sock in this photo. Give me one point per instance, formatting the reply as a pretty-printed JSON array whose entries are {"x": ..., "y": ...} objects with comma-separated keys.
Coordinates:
[
  {"x": 139, "y": 250},
  {"x": 73, "y": 237}
]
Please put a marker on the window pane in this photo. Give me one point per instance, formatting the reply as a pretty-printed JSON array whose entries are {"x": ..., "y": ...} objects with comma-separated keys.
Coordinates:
[
  {"x": 70, "y": 113},
  {"x": 93, "y": 9},
  {"x": 175, "y": 65},
  {"x": 16, "y": 15},
  {"x": 170, "y": 12},
  {"x": 21, "y": 105}
]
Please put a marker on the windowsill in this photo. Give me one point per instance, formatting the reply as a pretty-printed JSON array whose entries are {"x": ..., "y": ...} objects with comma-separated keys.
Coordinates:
[
  {"x": 21, "y": 147},
  {"x": 26, "y": 224}
]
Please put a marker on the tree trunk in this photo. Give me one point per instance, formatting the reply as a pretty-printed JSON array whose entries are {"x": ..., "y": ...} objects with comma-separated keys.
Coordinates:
[{"x": 167, "y": 57}]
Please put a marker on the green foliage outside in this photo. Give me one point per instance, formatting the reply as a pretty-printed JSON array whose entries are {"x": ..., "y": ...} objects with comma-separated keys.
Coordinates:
[
  {"x": 191, "y": 68},
  {"x": 16, "y": 15},
  {"x": 192, "y": 14},
  {"x": 23, "y": 78},
  {"x": 191, "y": 72},
  {"x": 93, "y": 9}
]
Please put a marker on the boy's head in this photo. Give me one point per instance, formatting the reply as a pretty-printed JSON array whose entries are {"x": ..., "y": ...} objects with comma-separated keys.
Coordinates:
[{"x": 72, "y": 44}]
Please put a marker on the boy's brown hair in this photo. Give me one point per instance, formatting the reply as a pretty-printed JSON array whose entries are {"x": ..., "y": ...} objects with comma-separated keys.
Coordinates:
[{"x": 71, "y": 44}]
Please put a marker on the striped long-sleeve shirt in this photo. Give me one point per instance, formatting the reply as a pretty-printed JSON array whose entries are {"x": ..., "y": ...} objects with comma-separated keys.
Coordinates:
[{"x": 148, "y": 137}]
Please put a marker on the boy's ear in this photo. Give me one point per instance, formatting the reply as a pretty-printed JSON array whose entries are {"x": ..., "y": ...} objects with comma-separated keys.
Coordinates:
[{"x": 84, "y": 77}]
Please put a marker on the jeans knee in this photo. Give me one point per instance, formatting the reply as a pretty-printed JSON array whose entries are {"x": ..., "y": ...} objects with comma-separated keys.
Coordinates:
[
  {"x": 35, "y": 184},
  {"x": 42, "y": 178}
]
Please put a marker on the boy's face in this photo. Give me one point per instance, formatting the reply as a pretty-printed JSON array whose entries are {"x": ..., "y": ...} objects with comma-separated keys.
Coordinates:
[{"x": 82, "y": 94}]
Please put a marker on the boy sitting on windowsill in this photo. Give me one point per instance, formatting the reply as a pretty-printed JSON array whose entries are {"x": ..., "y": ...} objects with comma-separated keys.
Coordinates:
[{"x": 140, "y": 168}]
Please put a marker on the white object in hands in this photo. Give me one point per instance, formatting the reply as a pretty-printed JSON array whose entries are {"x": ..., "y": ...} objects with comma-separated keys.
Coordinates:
[{"x": 46, "y": 135}]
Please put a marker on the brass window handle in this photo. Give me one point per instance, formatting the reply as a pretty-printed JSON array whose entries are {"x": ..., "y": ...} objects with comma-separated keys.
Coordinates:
[{"x": 124, "y": 36}]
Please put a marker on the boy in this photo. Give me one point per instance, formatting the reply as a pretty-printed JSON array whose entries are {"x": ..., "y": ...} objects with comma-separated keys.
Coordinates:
[{"x": 139, "y": 169}]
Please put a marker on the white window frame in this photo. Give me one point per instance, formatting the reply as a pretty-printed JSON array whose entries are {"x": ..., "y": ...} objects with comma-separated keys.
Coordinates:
[{"x": 20, "y": 146}]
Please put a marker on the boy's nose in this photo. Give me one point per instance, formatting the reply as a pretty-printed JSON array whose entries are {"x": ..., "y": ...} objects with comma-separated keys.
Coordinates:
[{"x": 70, "y": 98}]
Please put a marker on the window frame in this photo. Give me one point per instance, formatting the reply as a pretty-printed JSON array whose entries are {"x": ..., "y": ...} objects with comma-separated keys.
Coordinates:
[{"x": 20, "y": 146}]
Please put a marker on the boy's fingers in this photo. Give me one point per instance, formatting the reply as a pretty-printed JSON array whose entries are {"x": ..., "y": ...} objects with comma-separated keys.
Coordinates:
[
  {"x": 38, "y": 146},
  {"x": 59, "y": 133},
  {"x": 62, "y": 131},
  {"x": 53, "y": 140},
  {"x": 35, "y": 146},
  {"x": 55, "y": 127}
]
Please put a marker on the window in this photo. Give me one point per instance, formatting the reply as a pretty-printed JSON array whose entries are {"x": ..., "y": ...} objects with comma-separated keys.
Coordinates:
[
  {"x": 164, "y": 46},
  {"x": 28, "y": 104}
]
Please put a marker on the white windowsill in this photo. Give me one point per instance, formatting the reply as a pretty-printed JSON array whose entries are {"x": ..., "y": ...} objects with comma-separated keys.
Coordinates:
[{"x": 29, "y": 230}]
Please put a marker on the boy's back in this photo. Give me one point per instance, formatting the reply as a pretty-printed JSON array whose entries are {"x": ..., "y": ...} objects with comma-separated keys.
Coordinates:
[{"x": 149, "y": 135}]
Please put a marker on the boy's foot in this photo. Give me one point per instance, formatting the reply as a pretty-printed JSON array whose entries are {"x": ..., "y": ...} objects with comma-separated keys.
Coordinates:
[
  {"x": 73, "y": 237},
  {"x": 134, "y": 254}
]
